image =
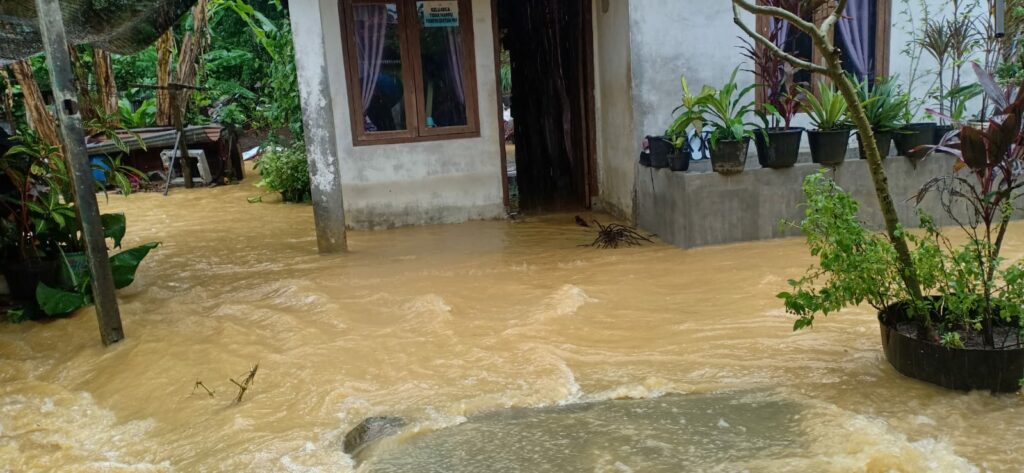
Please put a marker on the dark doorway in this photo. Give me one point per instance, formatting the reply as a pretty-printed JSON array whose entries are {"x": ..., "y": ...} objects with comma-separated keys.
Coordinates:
[{"x": 550, "y": 52}]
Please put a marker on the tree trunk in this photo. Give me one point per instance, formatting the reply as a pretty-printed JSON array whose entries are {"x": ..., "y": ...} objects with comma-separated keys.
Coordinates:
[
  {"x": 164, "y": 52},
  {"x": 8, "y": 99},
  {"x": 86, "y": 97},
  {"x": 106, "y": 85},
  {"x": 192, "y": 47},
  {"x": 39, "y": 118}
]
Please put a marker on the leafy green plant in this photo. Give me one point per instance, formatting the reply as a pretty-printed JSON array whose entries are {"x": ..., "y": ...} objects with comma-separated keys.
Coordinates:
[
  {"x": 726, "y": 110},
  {"x": 142, "y": 116},
  {"x": 827, "y": 108},
  {"x": 692, "y": 114},
  {"x": 123, "y": 266},
  {"x": 855, "y": 265},
  {"x": 286, "y": 171},
  {"x": 884, "y": 103}
]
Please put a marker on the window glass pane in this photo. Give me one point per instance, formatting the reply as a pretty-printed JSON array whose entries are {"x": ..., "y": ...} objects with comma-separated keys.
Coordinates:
[
  {"x": 380, "y": 66},
  {"x": 441, "y": 50}
]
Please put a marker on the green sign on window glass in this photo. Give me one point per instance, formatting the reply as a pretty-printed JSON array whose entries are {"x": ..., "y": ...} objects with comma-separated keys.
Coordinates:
[{"x": 439, "y": 13}]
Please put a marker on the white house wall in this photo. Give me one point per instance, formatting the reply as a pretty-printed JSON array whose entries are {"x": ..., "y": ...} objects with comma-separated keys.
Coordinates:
[
  {"x": 444, "y": 181},
  {"x": 697, "y": 38},
  {"x": 616, "y": 143}
]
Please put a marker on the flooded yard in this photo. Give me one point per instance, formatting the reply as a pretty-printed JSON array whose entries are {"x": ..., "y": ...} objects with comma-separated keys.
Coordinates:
[{"x": 462, "y": 330}]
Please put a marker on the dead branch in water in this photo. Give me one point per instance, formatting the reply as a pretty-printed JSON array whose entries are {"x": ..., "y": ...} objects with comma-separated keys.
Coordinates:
[
  {"x": 246, "y": 384},
  {"x": 199, "y": 384},
  {"x": 615, "y": 235}
]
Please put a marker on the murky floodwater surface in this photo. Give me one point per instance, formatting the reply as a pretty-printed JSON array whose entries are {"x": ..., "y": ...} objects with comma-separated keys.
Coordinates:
[{"x": 464, "y": 330}]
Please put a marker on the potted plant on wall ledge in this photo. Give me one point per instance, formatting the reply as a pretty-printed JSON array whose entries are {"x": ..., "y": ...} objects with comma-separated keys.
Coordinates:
[
  {"x": 725, "y": 112},
  {"x": 830, "y": 139},
  {"x": 883, "y": 106},
  {"x": 678, "y": 133},
  {"x": 777, "y": 142}
]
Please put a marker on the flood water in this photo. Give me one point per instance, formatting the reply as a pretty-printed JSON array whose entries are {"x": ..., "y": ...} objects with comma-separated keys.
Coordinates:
[{"x": 463, "y": 330}]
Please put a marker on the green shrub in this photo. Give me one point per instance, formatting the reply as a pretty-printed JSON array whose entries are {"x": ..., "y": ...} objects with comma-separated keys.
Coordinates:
[{"x": 286, "y": 171}]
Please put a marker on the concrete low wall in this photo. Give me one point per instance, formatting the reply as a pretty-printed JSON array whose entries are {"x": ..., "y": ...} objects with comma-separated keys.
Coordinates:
[{"x": 695, "y": 209}]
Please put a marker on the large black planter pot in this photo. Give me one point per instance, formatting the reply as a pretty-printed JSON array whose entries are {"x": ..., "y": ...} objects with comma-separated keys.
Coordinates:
[
  {"x": 679, "y": 160},
  {"x": 828, "y": 147},
  {"x": 729, "y": 156},
  {"x": 781, "y": 147},
  {"x": 22, "y": 278},
  {"x": 963, "y": 369},
  {"x": 912, "y": 136},
  {"x": 883, "y": 139},
  {"x": 660, "y": 149},
  {"x": 940, "y": 132}
]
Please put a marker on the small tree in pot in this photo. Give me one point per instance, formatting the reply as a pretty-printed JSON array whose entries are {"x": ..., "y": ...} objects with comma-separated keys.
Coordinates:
[
  {"x": 726, "y": 111},
  {"x": 969, "y": 333},
  {"x": 830, "y": 137}
]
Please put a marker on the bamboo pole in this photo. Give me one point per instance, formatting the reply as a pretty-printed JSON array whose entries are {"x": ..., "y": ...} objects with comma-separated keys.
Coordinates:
[{"x": 51, "y": 28}]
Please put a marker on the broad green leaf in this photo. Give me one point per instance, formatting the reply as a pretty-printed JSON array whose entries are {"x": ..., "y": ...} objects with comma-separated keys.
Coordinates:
[
  {"x": 114, "y": 227},
  {"x": 59, "y": 302},
  {"x": 124, "y": 264}
]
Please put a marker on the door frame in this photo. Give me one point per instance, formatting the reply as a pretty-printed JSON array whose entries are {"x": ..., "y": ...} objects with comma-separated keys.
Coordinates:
[{"x": 589, "y": 106}]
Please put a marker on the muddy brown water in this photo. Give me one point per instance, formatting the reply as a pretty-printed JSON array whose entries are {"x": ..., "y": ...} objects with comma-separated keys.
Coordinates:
[{"x": 454, "y": 327}]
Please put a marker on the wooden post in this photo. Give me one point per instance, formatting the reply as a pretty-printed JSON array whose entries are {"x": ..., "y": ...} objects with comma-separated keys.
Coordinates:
[
  {"x": 178, "y": 112},
  {"x": 318, "y": 123},
  {"x": 51, "y": 28}
]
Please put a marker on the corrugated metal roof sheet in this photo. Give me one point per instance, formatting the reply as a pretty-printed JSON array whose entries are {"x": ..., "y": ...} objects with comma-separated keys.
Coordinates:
[{"x": 119, "y": 26}]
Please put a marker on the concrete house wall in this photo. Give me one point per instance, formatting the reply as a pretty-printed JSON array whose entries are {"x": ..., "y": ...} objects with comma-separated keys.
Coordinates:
[
  {"x": 445, "y": 181},
  {"x": 641, "y": 47}
]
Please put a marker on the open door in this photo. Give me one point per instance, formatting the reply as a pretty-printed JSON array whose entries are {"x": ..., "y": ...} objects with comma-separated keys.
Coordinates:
[{"x": 550, "y": 49}]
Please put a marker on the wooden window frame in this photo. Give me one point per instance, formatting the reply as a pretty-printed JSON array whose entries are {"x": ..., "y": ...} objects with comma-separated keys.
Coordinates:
[
  {"x": 883, "y": 43},
  {"x": 412, "y": 81}
]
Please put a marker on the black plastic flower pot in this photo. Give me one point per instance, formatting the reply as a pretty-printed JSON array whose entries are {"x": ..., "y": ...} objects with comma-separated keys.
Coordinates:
[
  {"x": 940, "y": 132},
  {"x": 963, "y": 369},
  {"x": 883, "y": 140},
  {"x": 909, "y": 138},
  {"x": 660, "y": 149},
  {"x": 729, "y": 156},
  {"x": 679, "y": 160},
  {"x": 828, "y": 147},
  {"x": 778, "y": 147},
  {"x": 22, "y": 278},
  {"x": 645, "y": 158}
]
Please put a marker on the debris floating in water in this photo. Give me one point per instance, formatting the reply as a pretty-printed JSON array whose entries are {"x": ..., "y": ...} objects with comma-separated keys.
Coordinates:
[
  {"x": 246, "y": 384},
  {"x": 199, "y": 384},
  {"x": 615, "y": 235}
]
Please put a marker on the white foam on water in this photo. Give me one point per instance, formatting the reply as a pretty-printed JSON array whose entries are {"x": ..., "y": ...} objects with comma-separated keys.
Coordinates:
[
  {"x": 567, "y": 300},
  {"x": 428, "y": 304}
]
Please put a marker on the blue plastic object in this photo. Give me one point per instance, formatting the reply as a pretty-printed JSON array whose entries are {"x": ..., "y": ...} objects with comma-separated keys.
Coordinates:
[{"x": 99, "y": 175}]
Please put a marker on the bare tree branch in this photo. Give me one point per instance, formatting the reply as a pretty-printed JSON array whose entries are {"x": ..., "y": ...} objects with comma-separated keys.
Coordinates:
[
  {"x": 775, "y": 49},
  {"x": 836, "y": 15},
  {"x": 792, "y": 18}
]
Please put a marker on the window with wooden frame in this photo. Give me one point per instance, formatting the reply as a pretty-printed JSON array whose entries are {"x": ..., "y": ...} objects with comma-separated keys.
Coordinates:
[
  {"x": 411, "y": 70},
  {"x": 863, "y": 36}
]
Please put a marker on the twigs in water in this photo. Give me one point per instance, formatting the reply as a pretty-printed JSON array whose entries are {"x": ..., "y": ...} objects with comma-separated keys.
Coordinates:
[
  {"x": 615, "y": 235},
  {"x": 246, "y": 384},
  {"x": 243, "y": 387},
  {"x": 199, "y": 384}
]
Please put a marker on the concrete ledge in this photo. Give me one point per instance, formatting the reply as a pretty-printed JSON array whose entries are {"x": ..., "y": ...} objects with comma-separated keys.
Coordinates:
[{"x": 694, "y": 209}]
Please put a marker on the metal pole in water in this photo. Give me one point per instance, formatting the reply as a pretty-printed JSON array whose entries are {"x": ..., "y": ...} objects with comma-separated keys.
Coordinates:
[{"x": 58, "y": 60}]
